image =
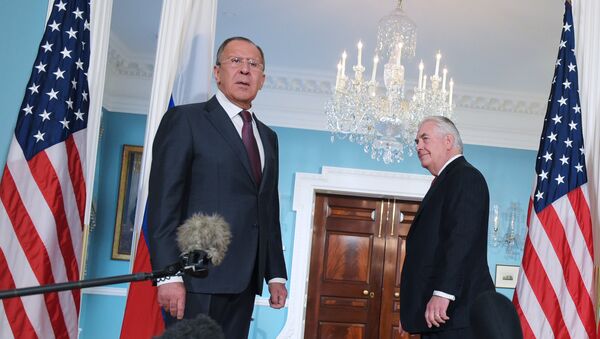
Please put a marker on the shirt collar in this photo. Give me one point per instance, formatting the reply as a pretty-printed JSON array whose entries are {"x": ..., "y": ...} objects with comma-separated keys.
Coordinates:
[
  {"x": 229, "y": 107},
  {"x": 448, "y": 162}
]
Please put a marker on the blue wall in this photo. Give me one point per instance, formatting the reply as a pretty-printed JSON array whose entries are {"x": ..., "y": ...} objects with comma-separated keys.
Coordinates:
[
  {"x": 117, "y": 129},
  {"x": 27, "y": 18}
]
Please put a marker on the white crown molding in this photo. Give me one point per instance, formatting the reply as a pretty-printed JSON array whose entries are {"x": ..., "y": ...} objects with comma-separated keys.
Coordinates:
[
  {"x": 296, "y": 99},
  {"x": 127, "y": 63},
  {"x": 342, "y": 181},
  {"x": 108, "y": 291}
]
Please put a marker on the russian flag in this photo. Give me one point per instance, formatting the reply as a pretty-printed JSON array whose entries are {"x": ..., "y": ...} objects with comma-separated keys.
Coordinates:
[{"x": 182, "y": 74}]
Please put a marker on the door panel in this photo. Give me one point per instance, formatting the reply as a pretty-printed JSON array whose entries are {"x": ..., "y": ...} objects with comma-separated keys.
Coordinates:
[
  {"x": 346, "y": 263},
  {"x": 403, "y": 213},
  {"x": 346, "y": 258}
]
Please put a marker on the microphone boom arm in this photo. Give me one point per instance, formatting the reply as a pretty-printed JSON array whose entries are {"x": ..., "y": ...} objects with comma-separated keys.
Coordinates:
[{"x": 192, "y": 264}]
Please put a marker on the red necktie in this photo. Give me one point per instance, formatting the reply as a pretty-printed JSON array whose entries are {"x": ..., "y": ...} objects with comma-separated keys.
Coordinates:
[{"x": 251, "y": 146}]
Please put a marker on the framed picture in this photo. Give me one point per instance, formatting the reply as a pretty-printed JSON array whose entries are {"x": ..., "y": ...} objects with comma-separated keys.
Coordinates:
[
  {"x": 131, "y": 164},
  {"x": 506, "y": 276}
]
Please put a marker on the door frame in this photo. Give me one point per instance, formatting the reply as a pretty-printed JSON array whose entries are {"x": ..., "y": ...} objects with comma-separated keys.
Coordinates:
[{"x": 336, "y": 180}]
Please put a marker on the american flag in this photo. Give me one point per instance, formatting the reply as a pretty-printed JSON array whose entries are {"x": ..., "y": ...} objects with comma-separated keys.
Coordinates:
[
  {"x": 554, "y": 290},
  {"x": 42, "y": 191}
]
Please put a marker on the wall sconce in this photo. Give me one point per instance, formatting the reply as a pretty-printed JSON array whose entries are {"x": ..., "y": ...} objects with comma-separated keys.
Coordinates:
[{"x": 507, "y": 229}]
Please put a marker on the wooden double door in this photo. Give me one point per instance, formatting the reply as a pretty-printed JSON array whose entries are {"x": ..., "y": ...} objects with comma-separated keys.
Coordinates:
[{"x": 358, "y": 248}]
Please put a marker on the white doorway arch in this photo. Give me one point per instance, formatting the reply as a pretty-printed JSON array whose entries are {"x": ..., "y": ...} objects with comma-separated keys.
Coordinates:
[{"x": 335, "y": 180}]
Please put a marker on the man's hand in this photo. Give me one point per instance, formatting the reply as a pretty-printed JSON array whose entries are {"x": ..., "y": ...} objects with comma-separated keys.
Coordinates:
[
  {"x": 278, "y": 295},
  {"x": 435, "y": 313},
  {"x": 171, "y": 297},
  {"x": 400, "y": 329}
]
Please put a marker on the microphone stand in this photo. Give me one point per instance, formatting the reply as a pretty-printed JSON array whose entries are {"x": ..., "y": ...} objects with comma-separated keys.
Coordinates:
[{"x": 195, "y": 264}]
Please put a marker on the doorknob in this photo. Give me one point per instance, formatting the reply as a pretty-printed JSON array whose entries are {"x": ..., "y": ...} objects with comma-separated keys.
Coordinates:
[
  {"x": 396, "y": 294},
  {"x": 365, "y": 292}
]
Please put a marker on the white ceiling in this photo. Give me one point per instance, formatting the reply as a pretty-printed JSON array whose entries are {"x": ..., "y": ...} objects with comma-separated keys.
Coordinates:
[
  {"x": 501, "y": 54},
  {"x": 505, "y": 45}
]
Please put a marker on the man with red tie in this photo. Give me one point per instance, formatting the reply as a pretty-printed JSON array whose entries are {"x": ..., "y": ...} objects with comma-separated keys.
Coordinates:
[{"x": 216, "y": 157}]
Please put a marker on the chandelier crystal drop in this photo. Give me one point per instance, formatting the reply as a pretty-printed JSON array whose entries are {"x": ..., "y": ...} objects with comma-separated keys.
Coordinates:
[
  {"x": 382, "y": 118},
  {"x": 395, "y": 28}
]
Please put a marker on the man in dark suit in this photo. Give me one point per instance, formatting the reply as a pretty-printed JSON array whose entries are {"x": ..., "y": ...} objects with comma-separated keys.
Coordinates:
[
  {"x": 216, "y": 157},
  {"x": 445, "y": 267}
]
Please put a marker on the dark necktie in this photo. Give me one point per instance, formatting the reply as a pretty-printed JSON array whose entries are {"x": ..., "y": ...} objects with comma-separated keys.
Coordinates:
[{"x": 251, "y": 146}]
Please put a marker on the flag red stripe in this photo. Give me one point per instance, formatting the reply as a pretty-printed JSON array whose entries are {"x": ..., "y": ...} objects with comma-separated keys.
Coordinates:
[
  {"x": 574, "y": 281},
  {"x": 542, "y": 288},
  {"x": 142, "y": 301},
  {"x": 583, "y": 215},
  {"x": 32, "y": 245},
  {"x": 13, "y": 307},
  {"x": 34, "y": 249},
  {"x": 44, "y": 175},
  {"x": 77, "y": 177},
  {"x": 527, "y": 331}
]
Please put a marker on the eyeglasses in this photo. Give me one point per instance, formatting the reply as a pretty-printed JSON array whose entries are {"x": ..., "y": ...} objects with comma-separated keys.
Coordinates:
[{"x": 237, "y": 62}]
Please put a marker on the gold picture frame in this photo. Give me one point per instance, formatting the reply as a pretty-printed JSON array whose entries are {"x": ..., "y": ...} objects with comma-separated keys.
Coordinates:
[{"x": 131, "y": 163}]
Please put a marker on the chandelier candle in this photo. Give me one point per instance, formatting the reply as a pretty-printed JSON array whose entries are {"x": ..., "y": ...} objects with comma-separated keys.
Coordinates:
[
  {"x": 450, "y": 95},
  {"x": 444, "y": 73},
  {"x": 438, "y": 57},
  {"x": 399, "y": 55},
  {"x": 421, "y": 67},
  {"x": 374, "y": 73},
  {"x": 360, "y": 46},
  {"x": 344, "y": 56},
  {"x": 339, "y": 75}
]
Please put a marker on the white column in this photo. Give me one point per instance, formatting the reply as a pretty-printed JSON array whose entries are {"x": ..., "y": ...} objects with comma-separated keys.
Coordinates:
[{"x": 101, "y": 12}]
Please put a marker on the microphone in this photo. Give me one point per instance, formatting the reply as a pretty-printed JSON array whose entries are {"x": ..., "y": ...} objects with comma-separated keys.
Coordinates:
[
  {"x": 201, "y": 327},
  {"x": 204, "y": 235}
]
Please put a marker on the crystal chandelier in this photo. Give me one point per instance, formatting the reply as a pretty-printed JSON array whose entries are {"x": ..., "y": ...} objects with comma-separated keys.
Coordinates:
[
  {"x": 384, "y": 120},
  {"x": 506, "y": 229}
]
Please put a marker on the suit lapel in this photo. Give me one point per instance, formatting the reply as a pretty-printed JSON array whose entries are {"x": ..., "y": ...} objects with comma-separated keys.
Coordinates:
[
  {"x": 424, "y": 202},
  {"x": 222, "y": 123},
  {"x": 437, "y": 186}
]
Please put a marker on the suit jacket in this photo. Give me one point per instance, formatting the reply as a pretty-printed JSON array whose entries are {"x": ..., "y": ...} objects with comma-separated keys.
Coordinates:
[
  {"x": 199, "y": 164},
  {"x": 446, "y": 248}
]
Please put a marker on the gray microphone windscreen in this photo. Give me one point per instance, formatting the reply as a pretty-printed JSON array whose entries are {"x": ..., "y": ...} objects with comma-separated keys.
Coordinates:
[{"x": 209, "y": 233}]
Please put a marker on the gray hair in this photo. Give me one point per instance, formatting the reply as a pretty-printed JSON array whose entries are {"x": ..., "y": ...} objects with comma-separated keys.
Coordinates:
[
  {"x": 445, "y": 126},
  {"x": 238, "y": 38}
]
